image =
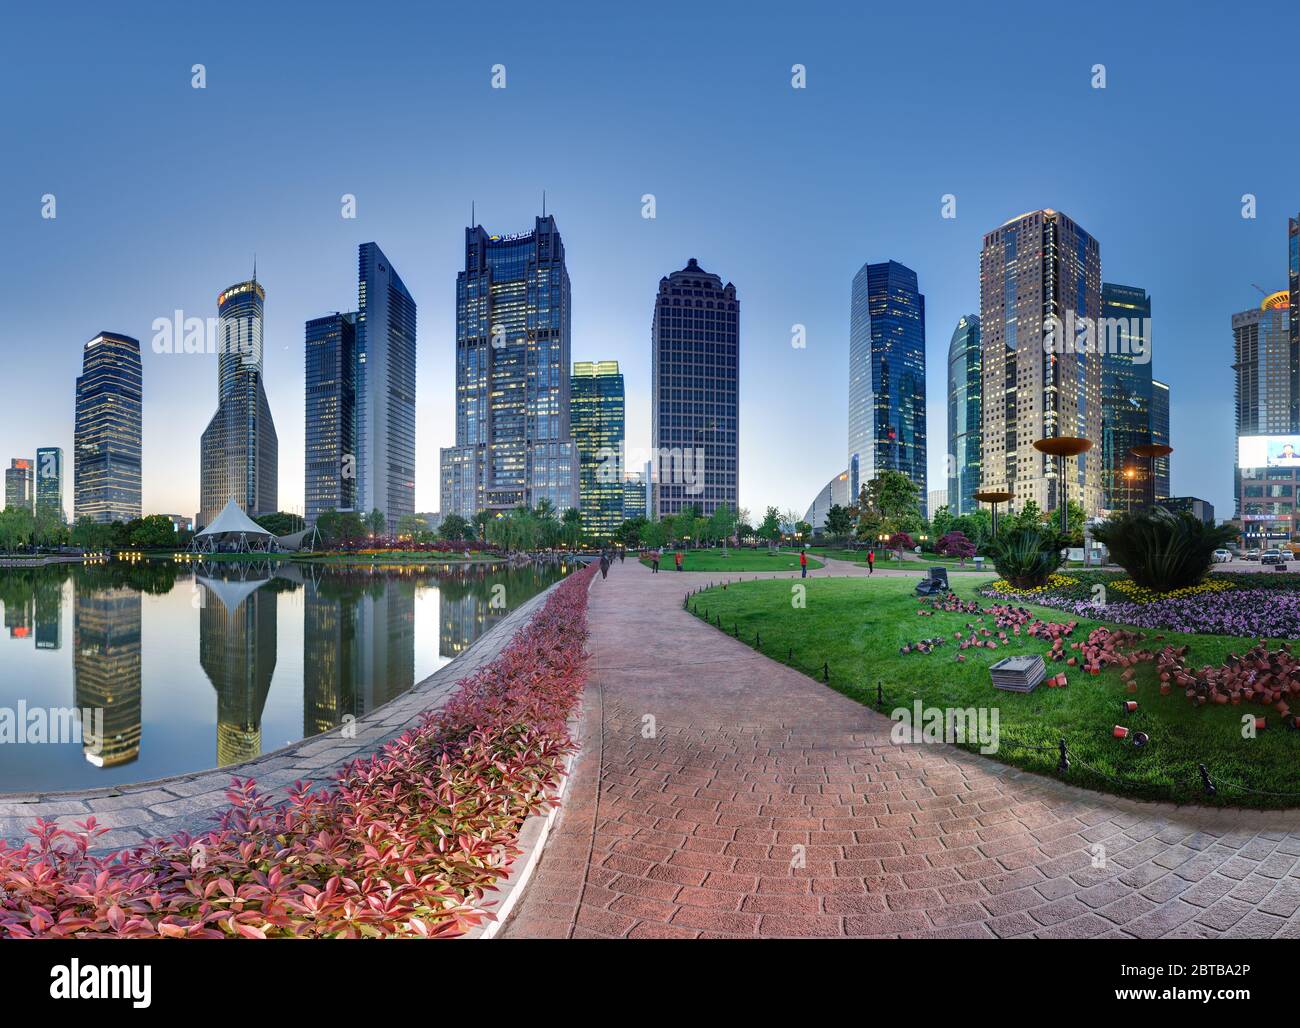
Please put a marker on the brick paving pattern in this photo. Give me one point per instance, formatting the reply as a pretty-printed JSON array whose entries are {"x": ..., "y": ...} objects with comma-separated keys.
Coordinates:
[{"x": 753, "y": 766}]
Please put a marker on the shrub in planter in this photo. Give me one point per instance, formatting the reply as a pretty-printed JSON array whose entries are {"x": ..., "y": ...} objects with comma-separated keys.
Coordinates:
[
  {"x": 1026, "y": 556},
  {"x": 1160, "y": 549}
]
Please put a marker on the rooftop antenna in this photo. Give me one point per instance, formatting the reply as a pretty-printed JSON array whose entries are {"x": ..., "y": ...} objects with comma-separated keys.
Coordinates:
[
  {"x": 254, "y": 267},
  {"x": 472, "y": 216},
  {"x": 543, "y": 203}
]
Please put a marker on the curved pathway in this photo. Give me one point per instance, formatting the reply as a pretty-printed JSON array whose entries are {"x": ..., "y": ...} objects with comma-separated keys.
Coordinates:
[{"x": 766, "y": 804}]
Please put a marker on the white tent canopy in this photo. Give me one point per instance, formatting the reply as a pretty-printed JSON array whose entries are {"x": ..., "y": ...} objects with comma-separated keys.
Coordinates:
[{"x": 233, "y": 529}]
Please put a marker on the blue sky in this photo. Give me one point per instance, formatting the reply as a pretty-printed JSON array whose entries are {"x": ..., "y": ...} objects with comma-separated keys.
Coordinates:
[{"x": 165, "y": 192}]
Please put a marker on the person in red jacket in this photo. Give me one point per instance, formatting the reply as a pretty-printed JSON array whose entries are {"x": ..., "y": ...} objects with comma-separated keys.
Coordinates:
[
  {"x": 871, "y": 562},
  {"x": 677, "y": 559},
  {"x": 803, "y": 563}
]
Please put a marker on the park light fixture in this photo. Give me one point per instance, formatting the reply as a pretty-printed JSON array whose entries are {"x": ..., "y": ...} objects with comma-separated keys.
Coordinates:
[{"x": 1062, "y": 447}]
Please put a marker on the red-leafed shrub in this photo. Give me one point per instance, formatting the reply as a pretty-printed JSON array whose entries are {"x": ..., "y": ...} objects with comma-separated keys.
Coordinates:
[{"x": 401, "y": 844}]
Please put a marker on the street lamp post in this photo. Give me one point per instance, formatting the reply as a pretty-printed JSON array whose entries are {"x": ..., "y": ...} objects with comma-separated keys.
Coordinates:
[
  {"x": 994, "y": 497},
  {"x": 1062, "y": 447}
]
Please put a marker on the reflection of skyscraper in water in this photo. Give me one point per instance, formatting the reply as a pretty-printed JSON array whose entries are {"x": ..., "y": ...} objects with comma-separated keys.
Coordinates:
[
  {"x": 466, "y": 611},
  {"x": 237, "y": 648},
  {"x": 385, "y": 644},
  {"x": 49, "y": 612},
  {"x": 106, "y": 671},
  {"x": 328, "y": 653},
  {"x": 358, "y": 649},
  {"x": 18, "y": 614}
]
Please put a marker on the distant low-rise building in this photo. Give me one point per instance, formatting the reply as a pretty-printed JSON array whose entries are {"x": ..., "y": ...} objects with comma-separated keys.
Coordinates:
[{"x": 1202, "y": 510}]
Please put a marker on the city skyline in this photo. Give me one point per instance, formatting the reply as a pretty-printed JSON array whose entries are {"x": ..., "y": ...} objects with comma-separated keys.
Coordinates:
[{"x": 1157, "y": 220}]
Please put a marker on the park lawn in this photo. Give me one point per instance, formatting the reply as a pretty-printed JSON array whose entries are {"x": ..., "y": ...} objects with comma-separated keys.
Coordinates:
[
  {"x": 735, "y": 560},
  {"x": 857, "y": 626},
  {"x": 886, "y": 559}
]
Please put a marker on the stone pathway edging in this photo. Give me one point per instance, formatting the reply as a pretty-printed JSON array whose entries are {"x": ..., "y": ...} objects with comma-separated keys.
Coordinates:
[{"x": 187, "y": 802}]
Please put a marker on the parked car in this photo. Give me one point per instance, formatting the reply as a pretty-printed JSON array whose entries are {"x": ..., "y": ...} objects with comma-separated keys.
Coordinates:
[
  {"x": 1272, "y": 557},
  {"x": 1252, "y": 554},
  {"x": 1222, "y": 555}
]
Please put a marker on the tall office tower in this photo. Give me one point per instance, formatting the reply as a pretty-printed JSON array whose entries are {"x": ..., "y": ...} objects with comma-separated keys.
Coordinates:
[
  {"x": 331, "y": 406},
  {"x": 239, "y": 454},
  {"x": 635, "y": 499},
  {"x": 237, "y": 650},
  {"x": 18, "y": 483},
  {"x": 385, "y": 388},
  {"x": 886, "y": 376},
  {"x": 1264, "y": 486},
  {"x": 1160, "y": 435},
  {"x": 106, "y": 458},
  {"x": 597, "y": 417},
  {"x": 513, "y": 440},
  {"x": 695, "y": 393},
  {"x": 1126, "y": 397},
  {"x": 49, "y": 481},
  {"x": 1293, "y": 310},
  {"x": 106, "y": 671},
  {"x": 1039, "y": 272},
  {"x": 965, "y": 401}
]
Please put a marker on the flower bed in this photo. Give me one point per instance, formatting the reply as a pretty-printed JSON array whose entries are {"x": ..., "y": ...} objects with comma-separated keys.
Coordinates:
[
  {"x": 401, "y": 844},
  {"x": 1248, "y": 605}
]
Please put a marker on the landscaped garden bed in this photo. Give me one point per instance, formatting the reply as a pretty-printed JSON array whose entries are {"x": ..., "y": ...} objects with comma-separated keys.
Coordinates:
[
  {"x": 856, "y": 634},
  {"x": 404, "y": 843}
]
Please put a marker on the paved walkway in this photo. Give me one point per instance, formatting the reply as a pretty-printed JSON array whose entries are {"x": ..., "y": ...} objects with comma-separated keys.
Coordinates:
[{"x": 767, "y": 804}]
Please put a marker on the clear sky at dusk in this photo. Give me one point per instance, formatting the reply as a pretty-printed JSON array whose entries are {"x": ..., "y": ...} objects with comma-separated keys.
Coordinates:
[{"x": 165, "y": 192}]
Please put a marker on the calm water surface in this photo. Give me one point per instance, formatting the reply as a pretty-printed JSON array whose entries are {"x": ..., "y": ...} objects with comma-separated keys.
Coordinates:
[{"x": 197, "y": 666}]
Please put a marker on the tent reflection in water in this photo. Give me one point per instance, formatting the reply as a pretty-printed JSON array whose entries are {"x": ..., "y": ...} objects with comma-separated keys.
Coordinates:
[{"x": 233, "y": 531}]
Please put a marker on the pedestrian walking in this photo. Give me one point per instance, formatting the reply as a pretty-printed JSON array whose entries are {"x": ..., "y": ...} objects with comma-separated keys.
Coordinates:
[
  {"x": 604, "y": 566},
  {"x": 654, "y": 562},
  {"x": 871, "y": 562},
  {"x": 803, "y": 563},
  {"x": 677, "y": 556},
  {"x": 622, "y": 553}
]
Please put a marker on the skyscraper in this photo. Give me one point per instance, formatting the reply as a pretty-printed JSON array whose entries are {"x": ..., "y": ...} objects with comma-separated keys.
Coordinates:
[
  {"x": 239, "y": 452},
  {"x": 1293, "y": 310},
  {"x": 385, "y": 388},
  {"x": 1126, "y": 397},
  {"x": 886, "y": 376},
  {"x": 596, "y": 402},
  {"x": 49, "y": 481},
  {"x": 965, "y": 403},
  {"x": 1261, "y": 339},
  {"x": 18, "y": 483},
  {"x": 1039, "y": 273},
  {"x": 513, "y": 439},
  {"x": 695, "y": 393},
  {"x": 1160, "y": 436},
  {"x": 106, "y": 457},
  {"x": 331, "y": 409},
  {"x": 636, "y": 501}
]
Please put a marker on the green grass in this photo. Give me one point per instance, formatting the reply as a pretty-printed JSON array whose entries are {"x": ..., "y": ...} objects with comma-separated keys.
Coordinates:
[
  {"x": 857, "y": 626},
  {"x": 735, "y": 560},
  {"x": 886, "y": 559}
]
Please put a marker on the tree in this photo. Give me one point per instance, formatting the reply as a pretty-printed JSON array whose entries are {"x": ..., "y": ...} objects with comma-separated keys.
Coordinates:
[
  {"x": 17, "y": 525},
  {"x": 896, "y": 500},
  {"x": 352, "y": 528},
  {"x": 156, "y": 532},
  {"x": 481, "y": 520},
  {"x": 803, "y": 530},
  {"x": 455, "y": 528},
  {"x": 549, "y": 528},
  {"x": 1029, "y": 516},
  {"x": 955, "y": 544},
  {"x": 629, "y": 532},
  {"x": 902, "y": 541},
  {"x": 376, "y": 522},
  {"x": 722, "y": 524},
  {"x": 654, "y": 535},
  {"x": 770, "y": 528},
  {"x": 281, "y": 522},
  {"x": 48, "y": 528},
  {"x": 838, "y": 522},
  {"x": 941, "y": 522},
  {"x": 412, "y": 525},
  {"x": 571, "y": 522}
]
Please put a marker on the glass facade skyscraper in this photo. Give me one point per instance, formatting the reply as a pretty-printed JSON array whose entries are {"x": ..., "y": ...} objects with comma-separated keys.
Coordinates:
[
  {"x": 695, "y": 393},
  {"x": 239, "y": 453},
  {"x": 49, "y": 481},
  {"x": 965, "y": 405},
  {"x": 1160, "y": 435},
  {"x": 886, "y": 376},
  {"x": 1126, "y": 397},
  {"x": 385, "y": 388},
  {"x": 513, "y": 440},
  {"x": 1037, "y": 271},
  {"x": 598, "y": 423},
  {"x": 331, "y": 402},
  {"x": 1265, "y": 497},
  {"x": 106, "y": 442}
]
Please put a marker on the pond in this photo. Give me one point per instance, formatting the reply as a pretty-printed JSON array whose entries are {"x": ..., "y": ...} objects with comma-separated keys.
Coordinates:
[{"x": 125, "y": 671}]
